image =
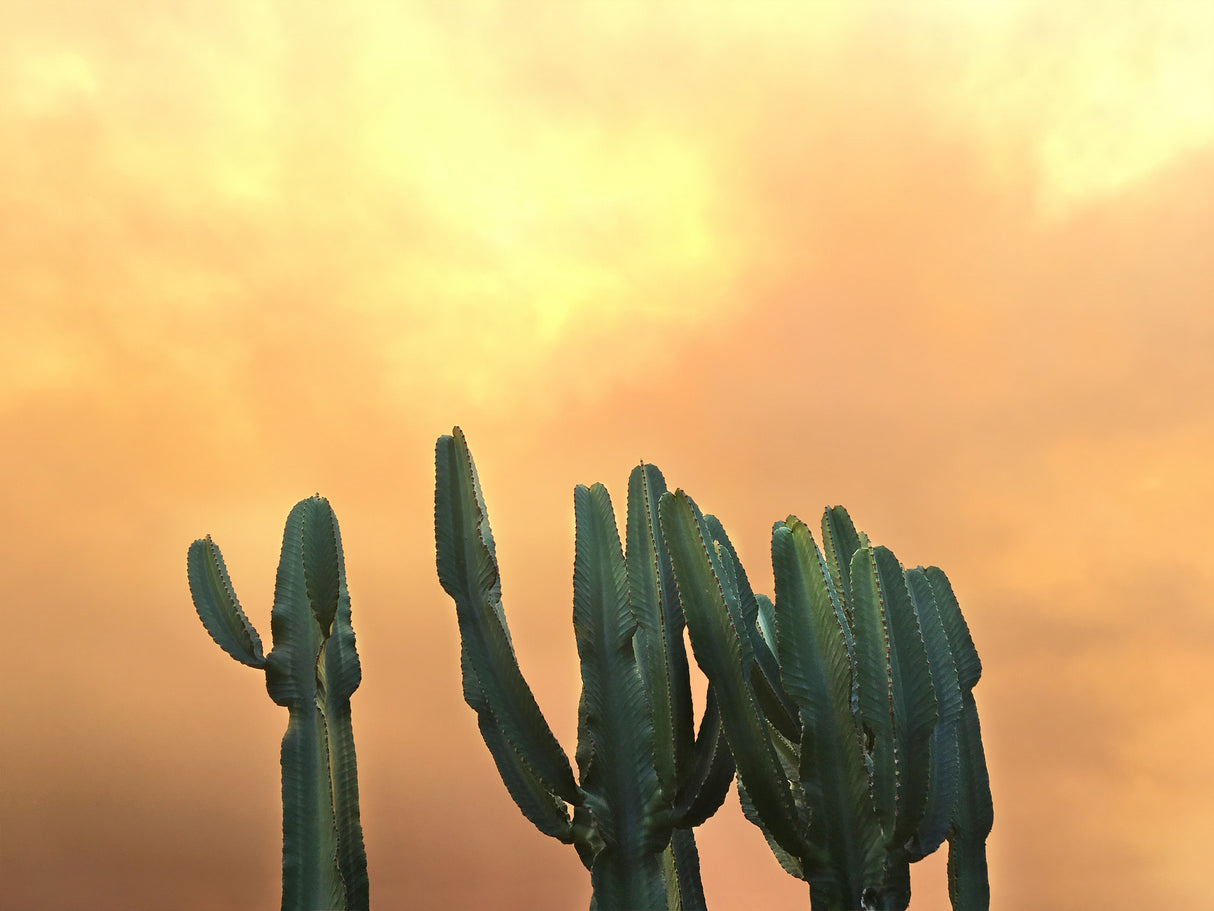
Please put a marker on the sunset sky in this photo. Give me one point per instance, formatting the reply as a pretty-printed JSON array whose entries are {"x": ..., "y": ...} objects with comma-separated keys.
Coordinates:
[{"x": 947, "y": 263}]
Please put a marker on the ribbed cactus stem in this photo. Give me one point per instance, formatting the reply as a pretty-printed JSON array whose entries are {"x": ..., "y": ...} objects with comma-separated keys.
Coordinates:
[{"x": 312, "y": 670}]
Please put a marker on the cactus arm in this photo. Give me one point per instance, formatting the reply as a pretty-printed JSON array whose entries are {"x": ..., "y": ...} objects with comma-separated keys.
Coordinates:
[
  {"x": 915, "y": 705},
  {"x": 764, "y": 668},
  {"x": 660, "y": 651},
  {"x": 840, "y": 541},
  {"x": 779, "y": 710},
  {"x": 703, "y": 789},
  {"x": 615, "y": 725},
  {"x": 686, "y": 862},
  {"x": 816, "y": 672},
  {"x": 942, "y": 791},
  {"x": 969, "y": 666},
  {"x": 527, "y": 754},
  {"x": 758, "y": 657},
  {"x": 715, "y": 627},
  {"x": 968, "y": 883},
  {"x": 217, "y": 605},
  {"x": 538, "y": 804},
  {"x": 969, "y": 887},
  {"x": 790, "y": 864}
]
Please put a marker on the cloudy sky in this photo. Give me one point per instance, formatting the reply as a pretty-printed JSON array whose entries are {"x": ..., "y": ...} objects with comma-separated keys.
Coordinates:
[{"x": 947, "y": 264}]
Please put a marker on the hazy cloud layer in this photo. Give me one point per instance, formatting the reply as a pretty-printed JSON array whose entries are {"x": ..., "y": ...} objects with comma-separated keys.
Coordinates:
[{"x": 948, "y": 267}]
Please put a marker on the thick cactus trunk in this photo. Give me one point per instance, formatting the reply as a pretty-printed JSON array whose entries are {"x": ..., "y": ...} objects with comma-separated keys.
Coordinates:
[{"x": 312, "y": 670}]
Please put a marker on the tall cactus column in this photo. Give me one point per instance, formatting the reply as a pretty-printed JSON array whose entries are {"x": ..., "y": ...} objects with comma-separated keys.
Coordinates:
[
  {"x": 645, "y": 779},
  {"x": 312, "y": 670}
]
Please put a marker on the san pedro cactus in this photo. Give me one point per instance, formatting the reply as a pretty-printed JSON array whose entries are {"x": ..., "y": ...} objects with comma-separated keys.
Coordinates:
[
  {"x": 645, "y": 779},
  {"x": 848, "y": 706},
  {"x": 312, "y": 670}
]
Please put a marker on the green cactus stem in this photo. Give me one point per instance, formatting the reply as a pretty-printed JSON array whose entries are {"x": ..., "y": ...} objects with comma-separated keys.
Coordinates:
[
  {"x": 312, "y": 670},
  {"x": 860, "y": 753},
  {"x": 645, "y": 780}
]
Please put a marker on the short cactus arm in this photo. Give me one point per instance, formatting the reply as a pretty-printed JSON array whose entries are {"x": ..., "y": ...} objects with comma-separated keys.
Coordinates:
[
  {"x": 965, "y": 655},
  {"x": 840, "y": 541},
  {"x": 217, "y": 606},
  {"x": 532, "y": 764}
]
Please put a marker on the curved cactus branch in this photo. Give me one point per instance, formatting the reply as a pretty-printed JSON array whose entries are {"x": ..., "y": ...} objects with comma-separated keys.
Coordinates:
[
  {"x": 532, "y": 764},
  {"x": 217, "y": 606}
]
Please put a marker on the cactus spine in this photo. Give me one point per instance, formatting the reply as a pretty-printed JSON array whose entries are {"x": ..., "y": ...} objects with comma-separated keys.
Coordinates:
[
  {"x": 312, "y": 669},
  {"x": 848, "y": 706},
  {"x": 645, "y": 779}
]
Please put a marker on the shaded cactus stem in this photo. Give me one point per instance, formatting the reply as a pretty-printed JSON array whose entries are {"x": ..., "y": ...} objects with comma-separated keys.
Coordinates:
[
  {"x": 645, "y": 780},
  {"x": 312, "y": 670}
]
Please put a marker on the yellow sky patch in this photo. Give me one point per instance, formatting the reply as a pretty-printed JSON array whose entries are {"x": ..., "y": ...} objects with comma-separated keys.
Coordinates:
[{"x": 1096, "y": 99}]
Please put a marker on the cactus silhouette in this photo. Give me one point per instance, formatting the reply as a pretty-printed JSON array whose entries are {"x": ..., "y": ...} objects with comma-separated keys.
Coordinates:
[
  {"x": 645, "y": 779},
  {"x": 312, "y": 670},
  {"x": 848, "y": 706}
]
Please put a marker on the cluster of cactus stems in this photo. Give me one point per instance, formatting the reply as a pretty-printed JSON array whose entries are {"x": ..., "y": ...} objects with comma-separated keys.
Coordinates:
[
  {"x": 312, "y": 670},
  {"x": 850, "y": 710},
  {"x": 645, "y": 781},
  {"x": 846, "y": 707}
]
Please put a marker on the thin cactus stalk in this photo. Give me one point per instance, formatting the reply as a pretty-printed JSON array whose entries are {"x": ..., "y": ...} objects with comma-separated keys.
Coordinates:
[
  {"x": 848, "y": 706},
  {"x": 645, "y": 780},
  {"x": 312, "y": 669}
]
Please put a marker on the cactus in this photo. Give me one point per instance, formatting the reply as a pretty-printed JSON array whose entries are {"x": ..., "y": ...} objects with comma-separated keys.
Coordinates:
[
  {"x": 645, "y": 780},
  {"x": 848, "y": 706},
  {"x": 312, "y": 670}
]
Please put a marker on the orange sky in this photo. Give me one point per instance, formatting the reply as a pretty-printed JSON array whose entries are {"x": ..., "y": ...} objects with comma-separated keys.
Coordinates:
[{"x": 949, "y": 267}]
